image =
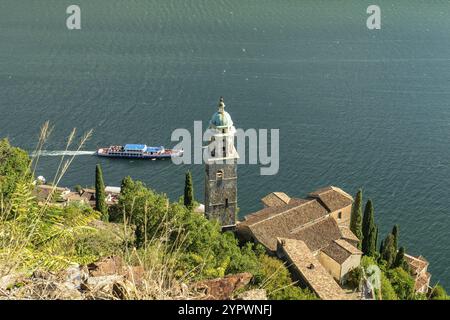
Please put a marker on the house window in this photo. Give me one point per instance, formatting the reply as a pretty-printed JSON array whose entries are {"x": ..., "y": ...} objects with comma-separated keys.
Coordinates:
[
  {"x": 219, "y": 175},
  {"x": 340, "y": 215}
]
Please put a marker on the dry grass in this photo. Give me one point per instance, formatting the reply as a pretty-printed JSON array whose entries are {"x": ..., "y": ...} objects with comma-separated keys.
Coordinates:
[{"x": 20, "y": 265}]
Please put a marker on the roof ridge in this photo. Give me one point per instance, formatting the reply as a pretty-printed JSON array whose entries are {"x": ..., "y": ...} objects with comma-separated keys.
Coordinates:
[{"x": 283, "y": 212}]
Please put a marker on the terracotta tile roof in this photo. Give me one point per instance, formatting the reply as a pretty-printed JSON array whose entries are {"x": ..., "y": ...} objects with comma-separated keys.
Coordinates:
[
  {"x": 268, "y": 224},
  {"x": 318, "y": 235},
  {"x": 75, "y": 196},
  {"x": 347, "y": 246},
  {"x": 42, "y": 192},
  {"x": 297, "y": 201},
  {"x": 417, "y": 264},
  {"x": 340, "y": 251},
  {"x": 336, "y": 252},
  {"x": 303, "y": 219},
  {"x": 332, "y": 197},
  {"x": 348, "y": 234},
  {"x": 264, "y": 214},
  {"x": 276, "y": 199},
  {"x": 422, "y": 282},
  {"x": 310, "y": 269}
]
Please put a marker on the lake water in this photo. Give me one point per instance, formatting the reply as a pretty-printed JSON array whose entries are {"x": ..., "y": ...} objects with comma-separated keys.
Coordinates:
[{"x": 355, "y": 107}]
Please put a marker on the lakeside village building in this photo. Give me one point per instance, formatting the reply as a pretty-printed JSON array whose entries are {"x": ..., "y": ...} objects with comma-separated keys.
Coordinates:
[{"x": 312, "y": 234}]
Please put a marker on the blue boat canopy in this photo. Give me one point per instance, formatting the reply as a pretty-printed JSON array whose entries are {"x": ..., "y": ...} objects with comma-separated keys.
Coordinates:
[
  {"x": 135, "y": 147},
  {"x": 154, "y": 149}
]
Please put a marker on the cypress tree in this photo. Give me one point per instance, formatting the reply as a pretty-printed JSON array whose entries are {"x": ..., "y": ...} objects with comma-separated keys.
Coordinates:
[
  {"x": 389, "y": 253},
  {"x": 395, "y": 231},
  {"x": 100, "y": 197},
  {"x": 368, "y": 229},
  {"x": 372, "y": 241},
  {"x": 188, "y": 191},
  {"x": 381, "y": 246},
  {"x": 400, "y": 259},
  {"x": 376, "y": 238},
  {"x": 356, "y": 217}
]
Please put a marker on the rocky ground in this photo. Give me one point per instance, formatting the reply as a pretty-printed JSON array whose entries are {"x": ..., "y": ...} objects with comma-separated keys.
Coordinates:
[{"x": 111, "y": 279}]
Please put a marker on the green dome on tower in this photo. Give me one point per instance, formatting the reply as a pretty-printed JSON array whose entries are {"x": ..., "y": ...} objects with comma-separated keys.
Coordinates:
[{"x": 221, "y": 118}]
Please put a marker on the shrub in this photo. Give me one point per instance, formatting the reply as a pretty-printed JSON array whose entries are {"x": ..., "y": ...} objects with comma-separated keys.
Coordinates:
[
  {"x": 439, "y": 293},
  {"x": 387, "y": 291},
  {"x": 14, "y": 168},
  {"x": 276, "y": 279},
  {"x": 108, "y": 239},
  {"x": 402, "y": 283},
  {"x": 354, "y": 278}
]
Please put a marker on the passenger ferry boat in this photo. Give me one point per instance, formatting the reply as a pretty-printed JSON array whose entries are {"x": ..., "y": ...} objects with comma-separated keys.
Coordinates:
[{"x": 138, "y": 151}]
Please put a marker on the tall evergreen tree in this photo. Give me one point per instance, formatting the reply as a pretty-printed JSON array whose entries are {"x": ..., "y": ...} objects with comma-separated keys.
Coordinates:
[
  {"x": 368, "y": 230},
  {"x": 381, "y": 246},
  {"x": 376, "y": 237},
  {"x": 356, "y": 217},
  {"x": 389, "y": 253},
  {"x": 395, "y": 233},
  {"x": 372, "y": 241},
  {"x": 188, "y": 191},
  {"x": 400, "y": 259},
  {"x": 100, "y": 197}
]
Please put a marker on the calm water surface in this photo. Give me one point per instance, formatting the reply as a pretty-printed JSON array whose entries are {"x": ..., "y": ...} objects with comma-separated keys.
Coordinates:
[{"x": 355, "y": 108}]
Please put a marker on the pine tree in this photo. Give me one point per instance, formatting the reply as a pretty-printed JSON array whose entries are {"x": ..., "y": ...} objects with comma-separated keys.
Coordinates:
[
  {"x": 188, "y": 191},
  {"x": 395, "y": 233},
  {"x": 100, "y": 197},
  {"x": 368, "y": 230},
  {"x": 356, "y": 217}
]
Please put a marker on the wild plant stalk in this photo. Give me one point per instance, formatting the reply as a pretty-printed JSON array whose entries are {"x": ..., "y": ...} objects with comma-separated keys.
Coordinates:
[
  {"x": 161, "y": 282},
  {"x": 58, "y": 177},
  {"x": 17, "y": 246}
]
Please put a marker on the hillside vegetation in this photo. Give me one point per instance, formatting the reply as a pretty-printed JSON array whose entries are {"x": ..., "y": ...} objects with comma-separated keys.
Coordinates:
[{"x": 175, "y": 246}]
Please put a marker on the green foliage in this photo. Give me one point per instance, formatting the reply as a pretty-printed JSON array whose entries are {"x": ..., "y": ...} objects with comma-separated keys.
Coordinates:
[
  {"x": 203, "y": 250},
  {"x": 276, "y": 279},
  {"x": 369, "y": 231},
  {"x": 78, "y": 188},
  {"x": 402, "y": 283},
  {"x": 354, "y": 277},
  {"x": 387, "y": 291},
  {"x": 127, "y": 183},
  {"x": 108, "y": 240},
  {"x": 400, "y": 260},
  {"x": 145, "y": 209},
  {"x": 188, "y": 191},
  {"x": 206, "y": 246},
  {"x": 388, "y": 252},
  {"x": 100, "y": 196},
  {"x": 395, "y": 234},
  {"x": 439, "y": 293},
  {"x": 14, "y": 168},
  {"x": 41, "y": 237},
  {"x": 356, "y": 217}
]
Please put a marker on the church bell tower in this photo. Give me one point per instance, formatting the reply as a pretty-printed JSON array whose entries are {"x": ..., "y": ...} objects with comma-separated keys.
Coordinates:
[{"x": 221, "y": 170}]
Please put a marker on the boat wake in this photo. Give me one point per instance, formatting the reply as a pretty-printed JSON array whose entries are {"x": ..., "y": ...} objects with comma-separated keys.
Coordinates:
[{"x": 45, "y": 153}]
